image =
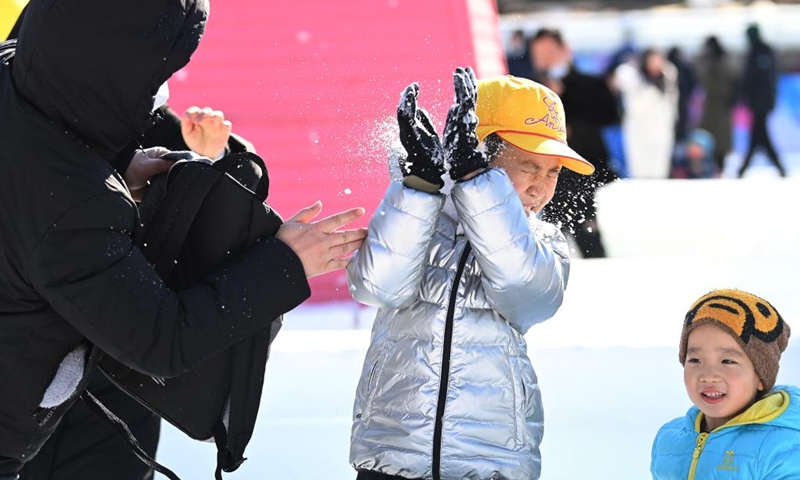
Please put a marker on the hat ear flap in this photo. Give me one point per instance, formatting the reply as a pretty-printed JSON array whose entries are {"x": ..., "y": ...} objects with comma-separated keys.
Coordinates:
[
  {"x": 783, "y": 339},
  {"x": 687, "y": 320}
]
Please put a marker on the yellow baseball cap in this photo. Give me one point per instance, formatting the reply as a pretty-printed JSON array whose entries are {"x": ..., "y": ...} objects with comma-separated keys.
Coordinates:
[{"x": 529, "y": 116}]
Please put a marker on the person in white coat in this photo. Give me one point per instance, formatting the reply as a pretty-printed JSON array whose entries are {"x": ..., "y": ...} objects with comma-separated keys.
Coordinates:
[{"x": 649, "y": 88}]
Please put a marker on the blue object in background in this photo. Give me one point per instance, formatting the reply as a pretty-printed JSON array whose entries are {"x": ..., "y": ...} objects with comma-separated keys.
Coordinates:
[
  {"x": 597, "y": 64},
  {"x": 612, "y": 135}
]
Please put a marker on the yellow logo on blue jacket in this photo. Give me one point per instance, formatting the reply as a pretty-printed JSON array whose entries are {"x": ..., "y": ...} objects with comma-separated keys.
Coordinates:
[{"x": 727, "y": 461}]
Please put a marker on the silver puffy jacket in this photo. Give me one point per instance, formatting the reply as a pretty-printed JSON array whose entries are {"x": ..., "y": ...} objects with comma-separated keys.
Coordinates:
[{"x": 454, "y": 298}]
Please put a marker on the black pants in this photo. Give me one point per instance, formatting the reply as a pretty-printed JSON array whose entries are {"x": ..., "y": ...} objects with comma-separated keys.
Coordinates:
[
  {"x": 759, "y": 137},
  {"x": 367, "y": 475},
  {"x": 83, "y": 447}
]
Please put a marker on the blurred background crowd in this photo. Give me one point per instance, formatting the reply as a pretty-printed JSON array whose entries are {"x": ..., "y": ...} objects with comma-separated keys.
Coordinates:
[
  {"x": 657, "y": 90},
  {"x": 653, "y": 90},
  {"x": 694, "y": 87}
]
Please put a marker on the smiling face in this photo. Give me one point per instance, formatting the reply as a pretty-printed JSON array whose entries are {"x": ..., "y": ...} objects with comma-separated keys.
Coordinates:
[
  {"x": 534, "y": 176},
  {"x": 719, "y": 376}
]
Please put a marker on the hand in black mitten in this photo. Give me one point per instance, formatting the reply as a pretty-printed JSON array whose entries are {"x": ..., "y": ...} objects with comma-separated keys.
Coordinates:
[
  {"x": 425, "y": 158},
  {"x": 460, "y": 139}
]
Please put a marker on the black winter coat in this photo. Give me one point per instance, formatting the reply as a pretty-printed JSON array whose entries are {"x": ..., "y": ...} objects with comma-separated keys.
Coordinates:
[
  {"x": 77, "y": 88},
  {"x": 759, "y": 86},
  {"x": 589, "y": 106}
]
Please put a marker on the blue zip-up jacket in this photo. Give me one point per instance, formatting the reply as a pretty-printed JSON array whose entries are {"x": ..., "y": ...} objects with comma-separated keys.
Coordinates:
[{"x": 762, "y": 443}]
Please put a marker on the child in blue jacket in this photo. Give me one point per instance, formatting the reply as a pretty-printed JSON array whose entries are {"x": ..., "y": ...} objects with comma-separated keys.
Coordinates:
[{"x": 742, "y": 426}]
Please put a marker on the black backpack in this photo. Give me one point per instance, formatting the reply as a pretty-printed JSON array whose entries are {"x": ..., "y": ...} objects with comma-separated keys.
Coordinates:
[{"x": 195, "y": 218}]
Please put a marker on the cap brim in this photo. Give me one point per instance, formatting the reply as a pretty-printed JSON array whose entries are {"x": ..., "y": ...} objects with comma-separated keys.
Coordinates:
[{"x": 549, "y": 146}]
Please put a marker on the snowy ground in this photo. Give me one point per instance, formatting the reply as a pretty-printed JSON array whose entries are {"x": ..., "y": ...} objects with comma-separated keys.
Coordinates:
[{"x": 607, "y": 365}]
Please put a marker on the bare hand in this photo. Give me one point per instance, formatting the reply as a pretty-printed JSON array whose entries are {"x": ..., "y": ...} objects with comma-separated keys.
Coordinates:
[
  {"x": 319, "y": 245},
  {"x": 145, "y": 164},
  {"x": 205, "y": 131}
]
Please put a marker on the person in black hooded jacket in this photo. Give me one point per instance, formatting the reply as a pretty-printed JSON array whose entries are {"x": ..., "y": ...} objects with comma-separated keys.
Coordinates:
[
  {"x": 82, "y": 445},
  {"x": 75, "y": 88}
]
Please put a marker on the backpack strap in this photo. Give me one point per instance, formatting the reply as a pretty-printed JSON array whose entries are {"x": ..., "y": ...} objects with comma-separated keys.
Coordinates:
[
  {"x": 247, "y": 381},
  {"x": 250, "y": 355},
  {"x": 249, "y": 170},
  {"x": 225, "y": 458},
  {"x": 121, "y": 429}
]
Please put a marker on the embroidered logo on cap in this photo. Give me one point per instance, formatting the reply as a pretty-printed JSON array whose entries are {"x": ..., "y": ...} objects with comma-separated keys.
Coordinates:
[{"x": 553, "y": 118}]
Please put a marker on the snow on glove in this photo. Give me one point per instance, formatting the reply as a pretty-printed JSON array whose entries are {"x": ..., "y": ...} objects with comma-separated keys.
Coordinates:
[
  {"x": 424, "y": 151},
  {"x": 460, "y": 139}
]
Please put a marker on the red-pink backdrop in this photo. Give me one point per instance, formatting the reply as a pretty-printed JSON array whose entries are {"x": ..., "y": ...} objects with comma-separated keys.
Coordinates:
[{"x": 314, "y": 85}]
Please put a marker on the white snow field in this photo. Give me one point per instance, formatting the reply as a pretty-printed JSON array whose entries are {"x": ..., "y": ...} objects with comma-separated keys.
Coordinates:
[{"x": 607, "y": 362}]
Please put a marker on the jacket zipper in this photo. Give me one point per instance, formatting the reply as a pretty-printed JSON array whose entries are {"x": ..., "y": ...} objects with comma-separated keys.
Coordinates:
[
  {"x": 445, "y": 376},
  {"x": 698, "y": 449}
]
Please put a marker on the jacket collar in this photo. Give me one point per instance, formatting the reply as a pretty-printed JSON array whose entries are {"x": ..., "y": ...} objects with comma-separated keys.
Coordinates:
[{"x": 763, "y": 411}]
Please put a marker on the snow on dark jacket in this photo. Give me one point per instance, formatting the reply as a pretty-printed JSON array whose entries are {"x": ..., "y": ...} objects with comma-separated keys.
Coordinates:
[{"x": 75, "y": 89}]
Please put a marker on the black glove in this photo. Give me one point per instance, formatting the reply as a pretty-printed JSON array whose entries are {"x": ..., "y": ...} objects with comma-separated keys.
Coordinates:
[
  {"x": 460, "y": 139},
  {"x": 425, "y": 158}
]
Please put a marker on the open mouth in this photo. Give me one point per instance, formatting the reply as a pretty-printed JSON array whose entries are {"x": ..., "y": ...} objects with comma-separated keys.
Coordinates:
[{"x": 712, "y": 397}]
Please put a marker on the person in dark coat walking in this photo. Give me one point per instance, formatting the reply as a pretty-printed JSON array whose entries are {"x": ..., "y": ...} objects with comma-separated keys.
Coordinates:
[
  {"x": 687, "y": 83},
  {"x": 718, "y": 79},
  {"x": 589, "y": 106},
  {"x": 759, "y": 88},
  {"x": 75, "y": 88}
]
